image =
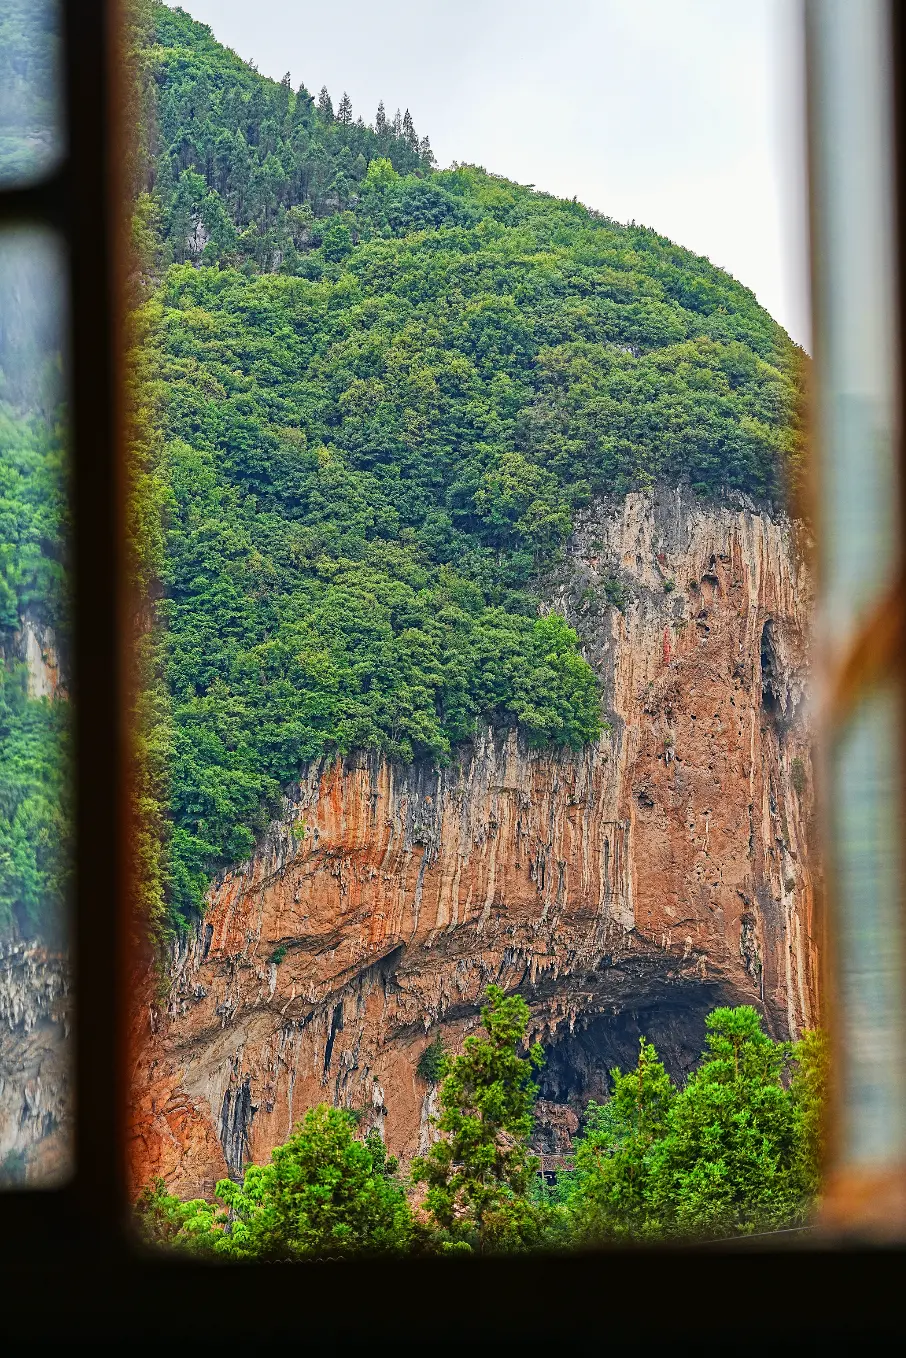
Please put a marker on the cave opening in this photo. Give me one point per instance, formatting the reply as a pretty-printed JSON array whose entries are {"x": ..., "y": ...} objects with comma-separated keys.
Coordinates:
[
  {"x": 770, "y": 671},
  {"x": 578, "y": 1063}
]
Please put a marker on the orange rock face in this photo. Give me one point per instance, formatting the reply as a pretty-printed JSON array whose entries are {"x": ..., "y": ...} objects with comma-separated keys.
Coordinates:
[{"x": 622, "y": 890}]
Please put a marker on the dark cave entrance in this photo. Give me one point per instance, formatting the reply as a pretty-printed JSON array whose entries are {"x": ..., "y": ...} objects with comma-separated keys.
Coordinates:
[
  {"x": 578, "y": 1062},
  {"x": 771, "y": 684}
]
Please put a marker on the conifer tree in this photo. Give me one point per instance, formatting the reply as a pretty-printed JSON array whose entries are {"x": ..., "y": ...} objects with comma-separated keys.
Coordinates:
[
  {"x": 409, "y": 130},
  {"x": 302, "y": 108},
  {"x": 325, "y": 1192},
  {"x": 731, "y": 1162},
  {"x": 480, "y": 1174},
  {"x": 282, "y": 96},
  {"x": 396, "y": 126},
  {"x": 325, "y": 105},
  {"x": 344, "y": 110},
  {"x": 611, "y": 1190},
  {"x": 380, "y": 120}
]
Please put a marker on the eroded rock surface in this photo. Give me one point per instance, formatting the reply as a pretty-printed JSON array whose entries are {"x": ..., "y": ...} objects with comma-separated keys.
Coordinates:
[
  {"x": 35, "y": 1103},
  {"x": 626, "y": 889}
]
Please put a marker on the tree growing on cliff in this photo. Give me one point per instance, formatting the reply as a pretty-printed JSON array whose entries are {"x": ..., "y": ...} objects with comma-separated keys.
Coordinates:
[{"x": 480, "y": 1174}]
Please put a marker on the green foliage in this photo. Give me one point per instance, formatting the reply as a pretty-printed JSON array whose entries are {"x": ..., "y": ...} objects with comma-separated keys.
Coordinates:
[
  {"x": 809, "y": 1094},
  {"x": 231, "y": 155},
  {"x": 736, "y": 1150},
  {"x": 613, "y": 1189},
  {"x": 164, "y": 1222},
  {"x": 278, "y": 954},
  {"x": 35, "y": 802},
  {"x": 616, "y": 593},
  {"x": 35, "y": 810},
  {"x": 368, "y": 398},
  {"x": 325, "y": 1194},
  {"x": 432, "y": 1063},
  {"x": 479, "y": 1176}
]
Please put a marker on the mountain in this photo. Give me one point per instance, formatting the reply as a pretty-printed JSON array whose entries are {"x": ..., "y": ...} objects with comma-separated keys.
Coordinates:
[
  {"x": 483, "y": 632},
  {"x": 473, "y": 629},
  {"x": 378, "y": 395}
]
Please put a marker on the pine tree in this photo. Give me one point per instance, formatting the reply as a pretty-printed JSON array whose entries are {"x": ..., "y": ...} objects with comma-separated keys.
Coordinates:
[
  {"x": 611, "y": 1189},
  {"x": 325, "y": 106},
  {"x": 396, "y": 126},
  {"x": 344, "y": 111},
  {"x": 302, "y": 108},
  {"x": 282, "y": 96},
  {"x": 480, "y": 1174},
  {"x": 409, "y": 130},
  {"x": 427, "y": 155},
  {"x": 731, "y": 1161},
  {"x": 380, "y": 120}
]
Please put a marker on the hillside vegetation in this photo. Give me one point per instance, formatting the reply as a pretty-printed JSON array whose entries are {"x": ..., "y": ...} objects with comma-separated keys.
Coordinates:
[{"x": 369, "y": 397}]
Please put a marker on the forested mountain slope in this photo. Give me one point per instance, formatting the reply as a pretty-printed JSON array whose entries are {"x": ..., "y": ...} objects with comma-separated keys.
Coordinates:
[
  {"x": 377, "y": 393},
  {"x": 34, "y": 801}
]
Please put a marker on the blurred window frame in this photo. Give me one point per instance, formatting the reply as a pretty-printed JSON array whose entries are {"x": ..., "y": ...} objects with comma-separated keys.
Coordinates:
[{"x": 70, "y": 1265}]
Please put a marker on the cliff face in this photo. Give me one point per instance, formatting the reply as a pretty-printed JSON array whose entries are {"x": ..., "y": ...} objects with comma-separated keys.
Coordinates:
[
  {"x": 35, "y": 1094},
  {"x": 35, "y": 1103},
  {"x": 622, "y": 890}
]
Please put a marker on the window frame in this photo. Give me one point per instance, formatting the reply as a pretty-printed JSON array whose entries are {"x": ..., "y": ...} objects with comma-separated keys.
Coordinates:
[{"x": 70, "y": 1263}]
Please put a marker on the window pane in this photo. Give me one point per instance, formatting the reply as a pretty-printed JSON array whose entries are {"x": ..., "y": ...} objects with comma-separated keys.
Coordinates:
[
  {"x": 31, "y": 132},
  {"x": 477, "y": 627},
  {"x": 35, "y": 789}
]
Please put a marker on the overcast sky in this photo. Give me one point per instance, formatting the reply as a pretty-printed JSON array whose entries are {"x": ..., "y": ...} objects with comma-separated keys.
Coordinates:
[{"x": 685, "y": 115}]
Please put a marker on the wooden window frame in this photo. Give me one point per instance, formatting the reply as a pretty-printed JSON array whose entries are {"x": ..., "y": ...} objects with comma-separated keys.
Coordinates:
[{"x": 68, "y": 1263}]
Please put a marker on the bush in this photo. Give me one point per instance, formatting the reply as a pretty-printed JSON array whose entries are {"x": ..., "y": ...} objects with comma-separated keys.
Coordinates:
[{"x": 432, "y": 1062}]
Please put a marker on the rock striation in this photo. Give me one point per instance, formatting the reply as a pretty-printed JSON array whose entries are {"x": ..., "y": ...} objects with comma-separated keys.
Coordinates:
[
  {"x": 35, "y": 1095},
  {"x": 35, "y": 983},
  {"x": 623, "y": 889}
]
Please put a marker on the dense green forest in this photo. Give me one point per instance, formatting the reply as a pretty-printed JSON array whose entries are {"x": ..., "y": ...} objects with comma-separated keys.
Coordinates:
[
  {"x": 734, "y": 1151},
  {"x": 34, "y": 732},
  {"x": 369, "y": 397}
]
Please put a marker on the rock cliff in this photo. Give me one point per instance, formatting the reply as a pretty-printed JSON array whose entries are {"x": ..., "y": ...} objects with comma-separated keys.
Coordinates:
[
  {"x": 35, "y": 1093},
  {"x": 35, "y": 1103},
  {"x": 622, "y": 890}
]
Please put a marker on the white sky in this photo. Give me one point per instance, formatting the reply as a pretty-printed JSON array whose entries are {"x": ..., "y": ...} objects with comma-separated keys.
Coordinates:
[{"x": 684, "y": 115}]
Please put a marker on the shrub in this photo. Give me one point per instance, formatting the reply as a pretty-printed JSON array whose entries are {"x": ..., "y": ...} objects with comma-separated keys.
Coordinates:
[{"x": 432, "y": 1062}]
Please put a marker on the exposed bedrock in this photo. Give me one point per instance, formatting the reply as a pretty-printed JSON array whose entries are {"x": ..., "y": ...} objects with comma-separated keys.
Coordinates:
[
  {"x": 623, "y": 890},
  {"x": 35, "y": 1103}
]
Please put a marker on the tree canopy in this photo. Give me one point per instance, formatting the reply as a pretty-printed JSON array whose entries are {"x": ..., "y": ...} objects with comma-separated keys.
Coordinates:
[{"x": 736, "y": 1150}]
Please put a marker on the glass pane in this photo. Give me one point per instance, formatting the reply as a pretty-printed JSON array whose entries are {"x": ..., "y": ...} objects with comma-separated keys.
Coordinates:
[
  {"x": 35, "y": 789},
  {"x": 477, "y": 624},
  {"x": 31, "y": 92},
  {"x": 868, "y": 853},
  {"x": 858, "y": 399}
]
